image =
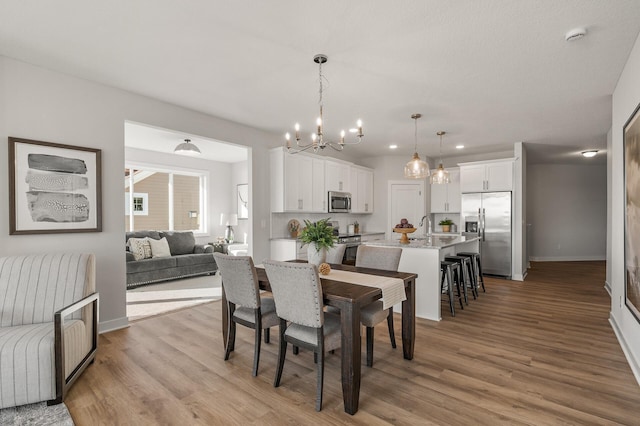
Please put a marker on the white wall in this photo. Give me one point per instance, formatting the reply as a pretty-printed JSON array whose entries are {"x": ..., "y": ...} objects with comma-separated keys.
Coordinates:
[
  {"x": 520, "y": 255},
  {"x": 39, "y": 104},
  {"x": 567, "y": 211},
  {"x": 607, "y": 283},
  {"x": 625, "y": 99},
  {"x": 239, "y": 175}
]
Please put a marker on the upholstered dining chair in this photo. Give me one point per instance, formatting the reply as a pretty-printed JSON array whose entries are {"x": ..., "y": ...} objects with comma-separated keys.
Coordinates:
[
  {"x": 246, "y": 307},
  {"x": 298, "y": 295},
  {"x": 388, "y": 259},
  {"x": 336, "y": 253}
]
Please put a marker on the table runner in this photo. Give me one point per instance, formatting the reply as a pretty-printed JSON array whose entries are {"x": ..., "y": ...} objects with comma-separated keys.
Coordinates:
[{"x": 392, "y": 288}]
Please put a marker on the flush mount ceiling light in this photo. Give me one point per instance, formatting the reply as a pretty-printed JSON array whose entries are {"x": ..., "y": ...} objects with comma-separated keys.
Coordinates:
[
  {"x": 317, "y": 140},
  {"x": 590, "y": 153},
  {"x": 575, "y": 34},
  {"x": 440, "y": 175},
  {"x": 187, "y": 148},
  {"x": 416, "y": 168},
  {"x": 393, "y": 146}
]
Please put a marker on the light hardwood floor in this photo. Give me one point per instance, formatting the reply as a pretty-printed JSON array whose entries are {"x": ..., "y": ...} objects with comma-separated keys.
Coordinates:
[{"x": 540, "y": 352}]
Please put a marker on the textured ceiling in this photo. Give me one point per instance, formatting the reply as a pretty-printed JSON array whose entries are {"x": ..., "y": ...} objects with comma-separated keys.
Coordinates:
[{"x": 489, "y": 72}]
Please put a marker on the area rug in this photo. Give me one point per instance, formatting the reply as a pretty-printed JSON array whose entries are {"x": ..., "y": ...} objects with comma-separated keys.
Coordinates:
[{"x": 39, "y": 414}]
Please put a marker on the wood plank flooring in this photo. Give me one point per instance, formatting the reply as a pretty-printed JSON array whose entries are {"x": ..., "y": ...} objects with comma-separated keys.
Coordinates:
[{"x": 539, "y": 352}]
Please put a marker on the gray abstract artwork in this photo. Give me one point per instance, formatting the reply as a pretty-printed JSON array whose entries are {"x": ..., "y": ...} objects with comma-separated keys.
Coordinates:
[{"x": 53, "y": 184}]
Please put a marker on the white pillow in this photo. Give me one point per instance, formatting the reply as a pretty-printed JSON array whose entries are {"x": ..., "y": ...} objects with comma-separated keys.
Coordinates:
[
  {"x": 140, "y": 248},
  {"x": 159, "y": 248}
]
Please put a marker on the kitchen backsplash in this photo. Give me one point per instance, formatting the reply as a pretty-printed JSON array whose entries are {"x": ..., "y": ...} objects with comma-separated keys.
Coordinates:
[{"x": 279, "y": 221}]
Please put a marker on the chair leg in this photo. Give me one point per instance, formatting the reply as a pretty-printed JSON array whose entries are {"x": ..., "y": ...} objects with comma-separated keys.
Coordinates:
[
  {"x": 369, "y": 346},
  {"x": 480, "y": 277},
  {"x": 296, "y": 350},
  {"x": 320, "y": 355},
  {"x": 456, "y": 278},
  {"x": 282, "y": 352},
  {"x": 256, "y": 354},
  {"x": 474, "y": 279},
  {"x": 231, "y": 332},
  {"x": 267, "y": 335},
  {"x": 392, "y": 333},
  {"x": 450, "y": 292}
]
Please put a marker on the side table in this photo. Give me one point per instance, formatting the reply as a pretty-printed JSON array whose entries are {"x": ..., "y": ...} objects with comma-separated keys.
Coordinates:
[{"x": 220, "y": 247}]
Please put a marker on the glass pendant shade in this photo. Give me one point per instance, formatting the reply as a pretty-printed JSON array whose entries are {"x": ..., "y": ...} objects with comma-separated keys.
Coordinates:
[
  {"x": 440, "y": 175},
  {"x": 416, "y": 168}
]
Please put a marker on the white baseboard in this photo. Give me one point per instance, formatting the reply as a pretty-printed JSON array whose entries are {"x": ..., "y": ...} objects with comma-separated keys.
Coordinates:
[
  {"x": 633, "y": 363},
  {"x": 519, "y": 277},
  {"x": 112, "y": 325},
  {"x": 567, "y": 258},
  {"x": 607, "y": 286}
]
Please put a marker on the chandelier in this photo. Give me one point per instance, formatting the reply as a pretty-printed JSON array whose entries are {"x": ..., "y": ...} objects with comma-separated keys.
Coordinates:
[
  {"x": 416, "y": 168},
  {"x": 440, "y": 175},
  {"x": 317, "y": 139}
]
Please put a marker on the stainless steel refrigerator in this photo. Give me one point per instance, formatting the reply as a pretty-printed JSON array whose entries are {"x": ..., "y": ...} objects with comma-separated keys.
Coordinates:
[{"x": 488, "y": 214}]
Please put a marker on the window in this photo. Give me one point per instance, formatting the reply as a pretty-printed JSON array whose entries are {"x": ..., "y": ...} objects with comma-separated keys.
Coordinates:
[{"x": 165, "y": 199}]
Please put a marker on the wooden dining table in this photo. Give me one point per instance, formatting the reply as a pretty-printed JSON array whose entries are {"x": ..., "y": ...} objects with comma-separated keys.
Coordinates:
[{"x": 350, "y": 298}]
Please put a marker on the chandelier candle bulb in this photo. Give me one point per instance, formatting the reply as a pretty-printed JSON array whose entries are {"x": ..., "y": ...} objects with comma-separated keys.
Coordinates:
[
  {"x": 319, "y": 123},
  {"x": 342, "y": 133},
  {"x": 359, "y": 123},
  {"x": 297, "y": 127}
]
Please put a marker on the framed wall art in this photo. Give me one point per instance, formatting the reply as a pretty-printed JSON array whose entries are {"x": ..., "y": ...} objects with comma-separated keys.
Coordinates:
[
  {"x": 631, "y": 143},
  {"x": 243, "y": 201},
  {"x": 53, "y": 188}
]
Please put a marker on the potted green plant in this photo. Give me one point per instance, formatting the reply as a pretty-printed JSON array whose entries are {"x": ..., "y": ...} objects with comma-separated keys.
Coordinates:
[
  {"x": 446, "y": 224},
  {"x": 319, "y": 236}
]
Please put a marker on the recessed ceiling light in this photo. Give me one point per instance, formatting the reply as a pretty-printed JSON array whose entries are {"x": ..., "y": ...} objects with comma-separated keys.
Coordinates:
[
  {"x": 394, "y": 146},
  {"x": 575, "y": 34},
  {"x": 459, "y": 146},
  {"x": 590, "y": 153}
]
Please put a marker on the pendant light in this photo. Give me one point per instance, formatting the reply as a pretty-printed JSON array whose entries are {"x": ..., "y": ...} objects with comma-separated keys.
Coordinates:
[
  {"x": 440, "y": 175},
  {"x": 416, "y": 168}
]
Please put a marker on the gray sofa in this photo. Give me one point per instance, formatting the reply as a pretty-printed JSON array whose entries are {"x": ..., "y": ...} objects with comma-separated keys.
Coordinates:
[{"x": 187, "y": 259}]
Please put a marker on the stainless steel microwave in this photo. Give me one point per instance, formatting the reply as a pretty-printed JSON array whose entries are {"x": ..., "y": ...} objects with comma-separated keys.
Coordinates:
[{"x": 339, "y": 202}]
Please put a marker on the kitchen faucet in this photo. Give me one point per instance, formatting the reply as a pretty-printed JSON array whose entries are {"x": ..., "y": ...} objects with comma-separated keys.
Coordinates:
[{"x": 428, "y": 217}]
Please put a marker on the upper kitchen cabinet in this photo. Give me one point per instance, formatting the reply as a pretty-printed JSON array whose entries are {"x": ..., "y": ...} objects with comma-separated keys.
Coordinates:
[
  {"x": 445, "y": 198},
  {"x": 337, "y": 175},
  {"x": 297, "y": 182},
  {"x": 361, "y": 190},
  {"x": 486, "y": 176}
]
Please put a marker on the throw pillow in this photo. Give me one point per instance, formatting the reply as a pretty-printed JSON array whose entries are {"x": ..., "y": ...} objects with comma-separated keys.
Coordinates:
[
  {"x": 160, "y": 248},
  {"x": 140, "y": 248}
]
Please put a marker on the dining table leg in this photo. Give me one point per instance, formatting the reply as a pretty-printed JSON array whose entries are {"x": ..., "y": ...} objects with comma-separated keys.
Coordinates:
[
  {"x": 351, "y": 356},
  {"x": 409, "y": 320}
]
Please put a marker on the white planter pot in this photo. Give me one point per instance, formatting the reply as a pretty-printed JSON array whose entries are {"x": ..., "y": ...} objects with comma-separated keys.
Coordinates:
[{"x": 314, "y": 256}]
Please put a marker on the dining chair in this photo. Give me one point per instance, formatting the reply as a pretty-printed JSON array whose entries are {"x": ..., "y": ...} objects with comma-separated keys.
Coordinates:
[
  {"x": 246, "y": 307},
  {"x": 297, "y": 292},
  {"x": 335, "y": 254},
  {"x": 388, "y": 259}
]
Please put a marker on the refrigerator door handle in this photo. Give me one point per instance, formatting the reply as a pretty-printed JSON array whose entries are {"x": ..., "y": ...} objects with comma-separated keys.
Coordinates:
[
  {"x": 483, "y": 224},
  {"x": 479, "y": 224}
]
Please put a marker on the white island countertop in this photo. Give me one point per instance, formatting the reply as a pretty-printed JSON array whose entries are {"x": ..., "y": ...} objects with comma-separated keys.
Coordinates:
[
  {"x": 436, "y": 242},
  {"x": 423, "y": 257}
]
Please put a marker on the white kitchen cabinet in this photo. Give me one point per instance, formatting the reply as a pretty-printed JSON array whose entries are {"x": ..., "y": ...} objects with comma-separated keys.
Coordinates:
[
  {"x": 361, "y": 190},
  {"x": 445, "y": 198},
  {"x": 337, "y": 176},
  {"x": 283, "y": 249},
  {"x": 318, "y": 193},
  {"x": 297, "y": 182},
  {"x": 488, "y": 176}
]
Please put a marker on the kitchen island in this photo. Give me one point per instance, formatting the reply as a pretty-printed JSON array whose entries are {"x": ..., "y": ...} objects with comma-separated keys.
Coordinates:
[{"x": 422, "y": 256}]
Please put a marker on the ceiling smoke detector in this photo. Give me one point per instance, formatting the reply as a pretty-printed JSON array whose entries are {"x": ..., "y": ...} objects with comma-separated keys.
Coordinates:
[{"x": 575, "y": 34}]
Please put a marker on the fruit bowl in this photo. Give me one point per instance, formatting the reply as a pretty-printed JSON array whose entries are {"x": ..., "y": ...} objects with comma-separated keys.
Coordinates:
[{"x": 404, "y": 231}]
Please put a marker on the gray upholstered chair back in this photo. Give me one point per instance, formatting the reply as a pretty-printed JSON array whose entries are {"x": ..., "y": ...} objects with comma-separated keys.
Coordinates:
[
  {"x": 34, "y": 287},
  {"x": 297, "y": 292},
  {"x": 386, "y": 258},
  {"x": 239, "y": 280},
  {"x": 336, "y": 253}
]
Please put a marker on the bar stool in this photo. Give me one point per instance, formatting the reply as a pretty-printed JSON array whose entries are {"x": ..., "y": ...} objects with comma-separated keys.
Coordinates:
[
  {"x": 477, "y": 264},
  {"x": 451, "y": 271},
  {"x": 466, "y": 272}
]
